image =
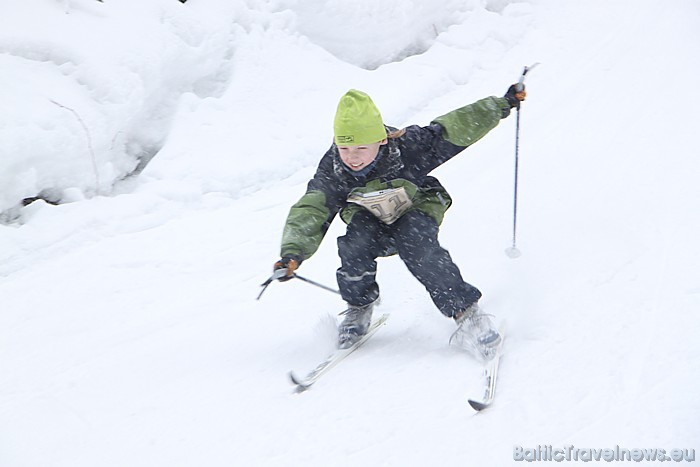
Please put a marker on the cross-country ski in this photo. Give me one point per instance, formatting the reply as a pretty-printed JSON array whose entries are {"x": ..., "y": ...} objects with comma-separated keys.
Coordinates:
[
  {"x": 490, "y": 378},
  {"x": 304, "y": 383}
]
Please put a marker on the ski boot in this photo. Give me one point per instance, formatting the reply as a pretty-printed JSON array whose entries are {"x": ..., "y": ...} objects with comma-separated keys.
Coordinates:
[
  {"x": 355, "y": 325},
  {"x": 476, "y": 333}
]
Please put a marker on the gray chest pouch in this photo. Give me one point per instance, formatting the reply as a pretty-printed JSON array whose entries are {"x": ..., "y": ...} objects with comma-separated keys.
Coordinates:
[{"x": 388, "y": 205}]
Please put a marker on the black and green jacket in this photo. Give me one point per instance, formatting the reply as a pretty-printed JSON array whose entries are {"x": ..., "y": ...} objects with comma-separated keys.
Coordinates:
[{"x": 405, "y": 161}]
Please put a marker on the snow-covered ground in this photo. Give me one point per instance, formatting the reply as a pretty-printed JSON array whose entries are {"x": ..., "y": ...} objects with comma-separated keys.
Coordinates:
[{"x": 129, "y": 330}]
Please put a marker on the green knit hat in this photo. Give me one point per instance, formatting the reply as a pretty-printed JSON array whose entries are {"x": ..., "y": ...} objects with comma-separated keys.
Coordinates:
[{"x": 357, "y": 120}]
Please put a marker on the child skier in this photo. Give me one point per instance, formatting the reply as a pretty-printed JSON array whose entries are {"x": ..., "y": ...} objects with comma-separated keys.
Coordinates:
[{"x": 377, "y": 178}]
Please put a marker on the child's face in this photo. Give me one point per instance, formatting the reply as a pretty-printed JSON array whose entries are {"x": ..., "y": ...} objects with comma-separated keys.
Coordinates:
[{"x": 359, "y": 157}]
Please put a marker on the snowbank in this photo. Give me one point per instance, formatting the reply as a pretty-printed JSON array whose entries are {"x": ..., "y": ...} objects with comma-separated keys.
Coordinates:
[{"x": 90, "y": 89}]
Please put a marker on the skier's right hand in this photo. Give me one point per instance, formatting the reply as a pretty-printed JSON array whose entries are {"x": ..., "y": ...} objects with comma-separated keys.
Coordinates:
[{"x": 290, "y": 263}]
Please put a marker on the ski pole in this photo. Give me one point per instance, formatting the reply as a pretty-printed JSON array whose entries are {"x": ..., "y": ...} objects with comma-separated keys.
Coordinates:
[
  {"x": 279, "y": 273},
  {"x": 275, "y": 275},
  {"x": 512, "y": 251},
  {"x": 324, "y": 287}
]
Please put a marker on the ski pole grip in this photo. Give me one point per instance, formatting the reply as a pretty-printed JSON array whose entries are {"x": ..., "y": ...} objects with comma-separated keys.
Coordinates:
[
  {"x": 279, "y": 273},
  {"x": 520, "y": 86}
]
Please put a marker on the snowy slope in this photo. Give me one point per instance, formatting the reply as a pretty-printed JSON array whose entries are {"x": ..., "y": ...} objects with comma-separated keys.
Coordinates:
[{"x": 129, "y": 330}]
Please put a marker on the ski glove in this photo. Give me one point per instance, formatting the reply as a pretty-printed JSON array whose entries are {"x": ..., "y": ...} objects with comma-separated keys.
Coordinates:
[
  {"x": 290, "y": 263},
  {"x": 515, "y": 97}
]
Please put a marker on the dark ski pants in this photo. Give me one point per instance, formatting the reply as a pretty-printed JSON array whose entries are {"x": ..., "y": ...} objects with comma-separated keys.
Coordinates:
[{"x": 414, "y": 237}]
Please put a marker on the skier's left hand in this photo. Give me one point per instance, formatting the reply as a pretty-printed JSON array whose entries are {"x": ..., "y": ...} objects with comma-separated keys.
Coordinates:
[
  {"x": 290, "y": 263},
  {"x": 515, "y": 97}
]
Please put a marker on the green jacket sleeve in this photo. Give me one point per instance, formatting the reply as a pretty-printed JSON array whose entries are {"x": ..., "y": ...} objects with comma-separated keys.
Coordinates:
[
  {"x": 306, "y": 225},
  {"x": 468, "y": 124}
]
